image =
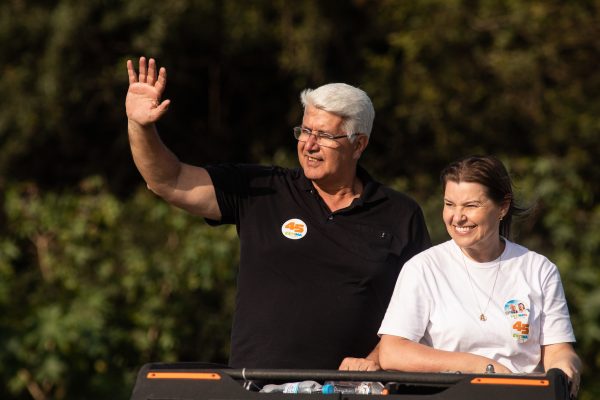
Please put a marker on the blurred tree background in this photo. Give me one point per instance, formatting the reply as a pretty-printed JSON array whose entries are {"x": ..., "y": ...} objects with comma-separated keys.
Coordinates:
[{"x": 98, "y": 276}]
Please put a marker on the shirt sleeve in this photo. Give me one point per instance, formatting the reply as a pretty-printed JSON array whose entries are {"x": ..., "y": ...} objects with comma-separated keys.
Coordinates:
[
  {"x": 409, "y": 309},
  {"x": 555, "y": 322},
  {"x": 234, "y": 184},
  {"x": 419, "y": 234}
]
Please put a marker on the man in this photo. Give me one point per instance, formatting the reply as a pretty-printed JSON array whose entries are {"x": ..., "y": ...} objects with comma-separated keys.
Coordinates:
[{"x": 321, "y": 245}]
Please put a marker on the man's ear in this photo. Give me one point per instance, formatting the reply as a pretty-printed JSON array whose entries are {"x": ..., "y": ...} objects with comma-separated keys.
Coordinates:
[{"x": 360, "y": 144}]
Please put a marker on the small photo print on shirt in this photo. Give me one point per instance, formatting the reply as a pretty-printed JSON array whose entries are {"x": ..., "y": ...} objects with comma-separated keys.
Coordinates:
[
  {"x": 294, "y": 229},
  {"x": 517, "y": 312}
]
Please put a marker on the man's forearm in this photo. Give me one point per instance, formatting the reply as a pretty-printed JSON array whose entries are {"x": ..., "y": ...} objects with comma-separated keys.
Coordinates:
[{"x": 157, "y": 164}]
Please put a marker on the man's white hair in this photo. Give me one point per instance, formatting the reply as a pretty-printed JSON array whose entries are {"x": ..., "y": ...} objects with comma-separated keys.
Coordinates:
[{"x": 349, "y": 102}]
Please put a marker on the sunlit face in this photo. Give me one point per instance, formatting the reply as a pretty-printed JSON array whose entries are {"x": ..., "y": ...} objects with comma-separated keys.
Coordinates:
[
  {"x": 472, "y": 219},
  {"x": 326, "y": 164}
]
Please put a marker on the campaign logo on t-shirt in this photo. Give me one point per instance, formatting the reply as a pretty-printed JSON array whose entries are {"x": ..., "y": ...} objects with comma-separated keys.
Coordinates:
[
  {"x": 294, "y": 229},
  {"x": 517, "y": 312}
]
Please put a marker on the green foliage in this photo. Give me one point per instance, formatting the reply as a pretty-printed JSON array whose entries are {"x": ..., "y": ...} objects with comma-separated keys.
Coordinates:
[
  {"x": 92, "y": 288},
  {"x": 565, "y": 229},
  {"x": 501, "y": 77}
]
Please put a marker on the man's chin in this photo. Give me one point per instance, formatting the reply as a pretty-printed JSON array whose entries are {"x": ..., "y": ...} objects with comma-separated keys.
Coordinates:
[
  {"x": 314, "y": 174},
  {"x": 314, "y": 178}
]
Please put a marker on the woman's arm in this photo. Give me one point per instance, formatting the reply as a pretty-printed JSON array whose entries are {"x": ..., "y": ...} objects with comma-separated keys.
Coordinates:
[
  {"x": 563, "y": 356},
  {"x": 398, "y": 353}
]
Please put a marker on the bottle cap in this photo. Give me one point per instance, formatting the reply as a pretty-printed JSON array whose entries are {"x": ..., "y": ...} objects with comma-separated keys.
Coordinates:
[{"x": 327, "y": 389}]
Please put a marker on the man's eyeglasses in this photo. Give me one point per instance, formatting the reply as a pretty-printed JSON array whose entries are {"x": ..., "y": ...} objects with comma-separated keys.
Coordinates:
[{"x": 322, "y": 138}]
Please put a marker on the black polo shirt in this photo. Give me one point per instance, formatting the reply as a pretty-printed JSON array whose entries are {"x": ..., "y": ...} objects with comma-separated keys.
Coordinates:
[{"x": 313, "y": 285}]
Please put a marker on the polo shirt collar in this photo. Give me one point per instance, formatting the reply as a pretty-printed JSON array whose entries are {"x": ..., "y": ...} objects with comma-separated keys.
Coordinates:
[{"x": 372, "y": 190}]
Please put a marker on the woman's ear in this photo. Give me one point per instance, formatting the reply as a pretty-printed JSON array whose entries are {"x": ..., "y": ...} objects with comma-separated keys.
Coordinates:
[{"x": 505, "y": 206}]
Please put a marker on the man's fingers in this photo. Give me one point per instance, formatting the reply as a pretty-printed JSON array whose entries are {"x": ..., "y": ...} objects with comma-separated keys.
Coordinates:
[
  {"x": 148, "y": 73},
  {"x": 349, "y": 364},
  {"x": 372, "y": 367},
  {"x": 151, "y": 78},
  {"x": 143, "y": 71},
  {"x": 358, "y": 364},
  {"x": 131, "y": 72},
  {"x": 162, "y": 108},
  {"x": 344, "y": 365},
  {"x": 161, "y": 81}
]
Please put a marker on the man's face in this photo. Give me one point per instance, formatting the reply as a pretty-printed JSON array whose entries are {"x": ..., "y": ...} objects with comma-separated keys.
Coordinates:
[{"x": 328, "y": 165}]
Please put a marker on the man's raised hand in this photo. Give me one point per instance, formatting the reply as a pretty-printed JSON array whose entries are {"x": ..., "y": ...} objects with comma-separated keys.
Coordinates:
[{"x": 143, "y": 102}]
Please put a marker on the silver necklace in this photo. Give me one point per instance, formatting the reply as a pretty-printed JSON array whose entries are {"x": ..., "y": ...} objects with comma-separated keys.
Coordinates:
[{"x": 482, "y": 316}]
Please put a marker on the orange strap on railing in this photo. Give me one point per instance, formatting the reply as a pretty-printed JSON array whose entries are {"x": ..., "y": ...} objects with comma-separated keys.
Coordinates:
[
  {"x": 206, "y": 376},
  {"x": 510, "y": 381}
]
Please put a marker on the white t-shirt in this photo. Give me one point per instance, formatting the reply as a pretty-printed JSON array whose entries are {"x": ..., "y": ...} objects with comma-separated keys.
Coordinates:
[{"x": 435, "y": 304}]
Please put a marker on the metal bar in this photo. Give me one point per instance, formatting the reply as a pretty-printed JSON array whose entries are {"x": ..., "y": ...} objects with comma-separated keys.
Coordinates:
[{"x": 322, "y": 375}]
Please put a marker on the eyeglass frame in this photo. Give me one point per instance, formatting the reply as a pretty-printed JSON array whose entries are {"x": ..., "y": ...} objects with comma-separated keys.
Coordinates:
[{"x": 321, "y": 134}]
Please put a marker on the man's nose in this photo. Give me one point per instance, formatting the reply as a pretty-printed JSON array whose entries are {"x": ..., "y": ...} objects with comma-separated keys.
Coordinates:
[{"x": 311, "y": 142}]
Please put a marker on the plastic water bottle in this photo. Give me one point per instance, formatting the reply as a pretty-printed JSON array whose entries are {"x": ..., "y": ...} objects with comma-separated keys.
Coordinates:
[
  {"x": 293, "y": 387},
  {"x": 352, "y": 387}
]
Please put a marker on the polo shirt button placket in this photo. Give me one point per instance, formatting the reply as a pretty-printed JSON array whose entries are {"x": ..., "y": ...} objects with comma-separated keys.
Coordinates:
[{"x": 330, "y": 218}]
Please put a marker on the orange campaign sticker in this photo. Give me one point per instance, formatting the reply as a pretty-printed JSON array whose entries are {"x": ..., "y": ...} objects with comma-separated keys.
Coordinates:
[
  {"x": 517, "y": 312},
  {"x": 294, "y": 229}
]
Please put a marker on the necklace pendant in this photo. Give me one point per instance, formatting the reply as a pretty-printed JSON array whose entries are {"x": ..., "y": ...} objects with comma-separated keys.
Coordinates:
[{"x": 482, "y": 317}]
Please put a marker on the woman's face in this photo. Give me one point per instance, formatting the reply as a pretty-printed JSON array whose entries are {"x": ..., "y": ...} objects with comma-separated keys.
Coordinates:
[{"x": 472, "y": 220}]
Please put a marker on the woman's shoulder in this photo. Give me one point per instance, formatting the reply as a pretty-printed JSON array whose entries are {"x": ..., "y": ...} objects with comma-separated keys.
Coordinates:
[
  {"x": 435, "y": 256},
  {"x": 527, "y": 257}
]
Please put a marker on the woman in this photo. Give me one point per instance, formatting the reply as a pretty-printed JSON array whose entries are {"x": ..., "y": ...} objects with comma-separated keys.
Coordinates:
[{"x": 479, "y": 299}]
